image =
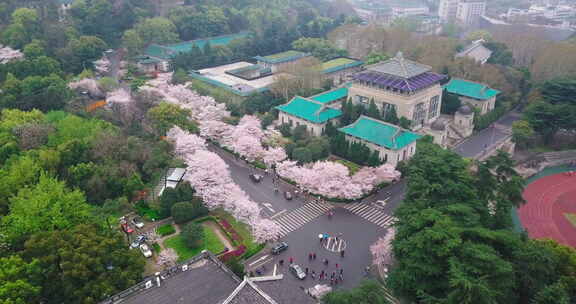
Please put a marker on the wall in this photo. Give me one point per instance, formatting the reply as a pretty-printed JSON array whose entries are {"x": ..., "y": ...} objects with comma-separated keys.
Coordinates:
[
  {"x": 484, "y": 106},
  {"x": 313, "y": 129},
  {"x": 392, "y": 157}
]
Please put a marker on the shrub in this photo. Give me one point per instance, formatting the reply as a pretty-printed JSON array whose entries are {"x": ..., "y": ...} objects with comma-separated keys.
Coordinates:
[
  {"x": 193, "y": 235},
  {"x": 285, "y": 129},
  {"x": 182, "y": 212},
  {"x": 165, "y": 230},
  {"x": 234, "y": 264}
]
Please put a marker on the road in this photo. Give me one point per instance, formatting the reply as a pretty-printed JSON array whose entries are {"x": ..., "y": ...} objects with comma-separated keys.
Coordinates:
[{"x": 360, "y": 224}]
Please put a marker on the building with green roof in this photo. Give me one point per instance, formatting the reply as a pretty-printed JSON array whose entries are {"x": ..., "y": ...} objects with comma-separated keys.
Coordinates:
[
  {"x": 340, "y": 69},
  {"x": 475, "y": 94},
  {"x": 392, "y": 143},
  {"x": 308, "y": 112},
  {"x": 165, "y": 53},
  {"x": 276, "y": 61}
]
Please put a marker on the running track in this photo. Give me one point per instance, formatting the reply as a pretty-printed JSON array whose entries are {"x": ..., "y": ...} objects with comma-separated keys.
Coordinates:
[{"x": 547, "y": 199}]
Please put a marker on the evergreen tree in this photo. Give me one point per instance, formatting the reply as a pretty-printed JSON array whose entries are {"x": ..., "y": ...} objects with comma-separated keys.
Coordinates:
[
  {"x": 330, "y": 130},
  {"x": 391, "y": 116},
  {"x": 374, "y": 159},
  {"x": 373, "y": 110}
]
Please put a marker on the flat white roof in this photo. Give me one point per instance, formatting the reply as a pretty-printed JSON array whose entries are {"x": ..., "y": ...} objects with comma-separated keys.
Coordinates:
[
  {"x": 219, "y": 74},
  {"x": 176, "y": 175}
]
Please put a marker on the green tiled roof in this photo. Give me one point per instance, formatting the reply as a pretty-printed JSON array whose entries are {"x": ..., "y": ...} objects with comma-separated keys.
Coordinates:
[
  {"x": 282, "y": 57},
  {"x": 470, "y": 89},
  {"x": 380, "y": 133},
  {"x": 330, "y": 96},
  {"x": 168, "y": 51},
  {"x": 309, "y": 110},
  {"x": 338, "y": 64}
]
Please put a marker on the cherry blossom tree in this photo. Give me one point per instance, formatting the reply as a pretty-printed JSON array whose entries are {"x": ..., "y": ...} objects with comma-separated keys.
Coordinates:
[
  {"x": 208, "y": 174},
  {"x": 382, "y": 249},
  {"x": 102, "y": 65},
  {"x": 273, "y": 156},
  {"x": 87, "y": 84},
  {"x": 8, "y": 54},
  {"x": 332, "y": 179}
]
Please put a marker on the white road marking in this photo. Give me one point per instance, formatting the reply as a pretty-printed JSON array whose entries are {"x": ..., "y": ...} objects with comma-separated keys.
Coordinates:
[
  {"x": 269, "y": 206},
  {"x": 258, "y": 260},
  {"x": 274, "y": 273},
  {"x": 278, "y": 214}
]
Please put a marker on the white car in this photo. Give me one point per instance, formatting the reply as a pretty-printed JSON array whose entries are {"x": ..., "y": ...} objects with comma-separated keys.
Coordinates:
[
  {"x": 145, "y": 250},
  {"x": 138, "y": 222}
]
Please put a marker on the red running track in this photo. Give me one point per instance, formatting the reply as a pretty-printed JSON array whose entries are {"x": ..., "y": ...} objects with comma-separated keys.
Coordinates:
[{"x": 547, "y": 199}]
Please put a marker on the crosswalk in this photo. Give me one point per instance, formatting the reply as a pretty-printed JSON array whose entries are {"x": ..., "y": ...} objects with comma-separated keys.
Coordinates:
[
  {"x": 299, "y": 217},
  {"x": 370, "y": 214}
]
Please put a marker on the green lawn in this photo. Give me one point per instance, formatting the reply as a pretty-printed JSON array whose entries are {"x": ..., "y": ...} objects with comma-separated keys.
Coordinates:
[
  {"x": 352, "y": 167},
  {"x": 242, "y": 229},
  {"x": 336, "y": 62},
  {"x": 211, "y": 243}
]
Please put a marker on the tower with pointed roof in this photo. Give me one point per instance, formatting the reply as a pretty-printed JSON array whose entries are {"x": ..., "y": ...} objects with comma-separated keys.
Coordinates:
[{"x": 408, "y": 86}]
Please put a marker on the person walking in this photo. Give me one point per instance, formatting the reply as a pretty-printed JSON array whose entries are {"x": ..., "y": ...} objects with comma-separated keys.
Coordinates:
[
  {"x": 341, "y": 271},
  {"x": 336, "y": 265},
  {"x": 306, "y": 270},
  {"x": 281, "y": 262},
  {"x": 310, "y": 256},
  {"x": 314, "y": 255},
  {"x": 291, "y": 260},
  {"x": 342, "y": 253}
]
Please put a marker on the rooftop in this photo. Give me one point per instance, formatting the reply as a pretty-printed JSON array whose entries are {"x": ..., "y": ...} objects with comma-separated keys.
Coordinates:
[
  {"x": 217, "y": 76},
  {"x": 282, "y": 57},
  {"x": 400, "y": 67},
  {"x": 171, "y": 50},
  {"x": 380, "y": 133},
  {"x": 403, "y": 85},
  {"x": 470, "y": 89},
  {"x": 309, "y": 109},
  {"x": 339, "y": 64},
  {"x": 332, "y": 95},
  {"x": 476, "y": 50},
  {"x": 205, "y": 281}
]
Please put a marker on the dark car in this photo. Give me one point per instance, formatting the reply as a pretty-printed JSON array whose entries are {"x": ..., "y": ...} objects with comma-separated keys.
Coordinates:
[
  {"x": 256, "y": 178},
  {"x": 279, "y": 247},
  {"x": 297, "y": 271},
  {"x": 138, "y": 240},
  {"x": 288, "y": 195}
]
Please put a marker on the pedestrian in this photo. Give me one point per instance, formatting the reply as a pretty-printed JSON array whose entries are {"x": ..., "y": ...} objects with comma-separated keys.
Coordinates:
[
  {"x": 306, "y": 270},
  {"x": 341, "y": 271},
  {"x": 281, "y": 262},
  {"x": 332, "y": 281},
  {"x": 333, "y": 274},
  {"x": 313, "y": 255},
  {"x": 336, "y": 265},
  {"x": 325, "y": 261},
  {"x": 291, "y": 260},
  {"x": 341, "y": 277},
  {"x": 342, "y": 253},
  {"x": 309, "y": 256}
]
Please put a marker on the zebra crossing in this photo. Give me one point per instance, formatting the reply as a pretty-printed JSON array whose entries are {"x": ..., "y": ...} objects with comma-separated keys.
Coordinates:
[
  {"x": 297, "y": 218},
  {"x": 371, "y": 214}
]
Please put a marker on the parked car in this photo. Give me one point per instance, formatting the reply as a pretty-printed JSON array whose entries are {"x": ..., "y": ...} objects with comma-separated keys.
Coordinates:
[
  {"x": 279, "y": 247},
  {"x": 380, "y": 204},
  {"x": 145, "y": 250},
  {"x": 297, "y": 271},
  {"x": 256, "y": 178},
  {"x": 138, "y": 240},
  {"x": 288, "y": 195},
  {"x": 138, "y": 222}
]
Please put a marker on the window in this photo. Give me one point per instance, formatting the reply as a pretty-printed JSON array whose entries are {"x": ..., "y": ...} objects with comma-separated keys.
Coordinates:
[
  {"x": 419, "y": 114},
  {"x": 434, "y": 107}
]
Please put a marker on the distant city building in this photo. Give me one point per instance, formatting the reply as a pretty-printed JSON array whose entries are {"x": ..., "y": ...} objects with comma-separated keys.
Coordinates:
[
  {"x": 407, "y": 8},
  {"x": 447, "y": 10},
  {"x": 470, "y": 11},
  {"x": 477, "y": 51}
]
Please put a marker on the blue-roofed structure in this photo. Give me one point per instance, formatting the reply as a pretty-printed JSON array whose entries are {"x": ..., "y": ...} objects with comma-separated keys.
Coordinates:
[{"x": 309, "y": 112}]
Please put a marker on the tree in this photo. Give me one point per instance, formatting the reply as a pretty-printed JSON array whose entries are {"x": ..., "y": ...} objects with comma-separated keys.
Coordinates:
[
  {"x": 193, "y": 235},
  {"x": 390, "y": 115},
  {"x": 46, "y": 206},
  {"x": 24, "y": 28},
  {"x": 133, "y": 43},
  {"x": 522, "y": 133},
  {"x": 81, "y": 53},
  {"x": 375, "y": 57},
  {"x": 320, "y": 48},
  {"x": 405, "y": 123},
  {"x": 166, "y": 115},
  {"x": 186, "y": 211},
  {"x": 34, "y": 49},
  {"x": 302, "y": 155},
  {"x": 19, "y": 280},
  {"x": 237, "y": 268},
  {"x": 330, "y": 130},
  {"x": 83, "y": 264},
  {"x": 450, "y": 103},
  {"x": 373, "y": 110},
  {"x": 300, "y": 132},
  {"x": 180, "y": 77},
  {"x": 368, "y": 292},
  {"x": 477, "y": 35},
  {"x": 285, "y": 129},
  {"x": 547, "y": 119}
]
